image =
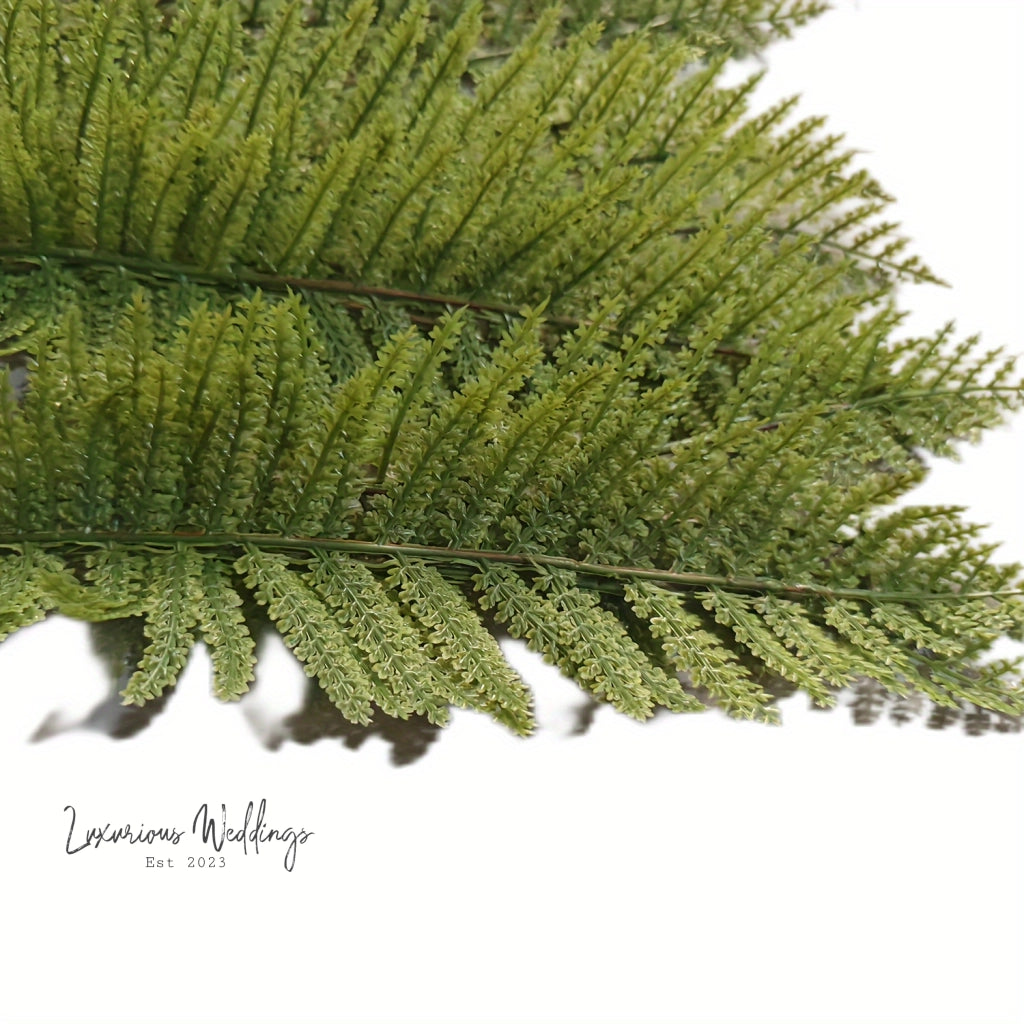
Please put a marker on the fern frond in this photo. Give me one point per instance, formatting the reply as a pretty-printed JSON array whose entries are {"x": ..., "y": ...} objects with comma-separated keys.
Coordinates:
[
  {"x": 169, "y": 602},
  {"x": 223, "y": 628},
  {"x": 309, "y": 629},
  {"x": 481, "y": 678},
  {"x": 569, "y": 627},
  {"x": 779, "y": 646},
  {"x": 26, "y": 589},
  {"x": 356, "y": 315},
  {"x": 404, "y": 676},
  {"x": 693, "y": 650},
  {"x": 740, "y": 26}
]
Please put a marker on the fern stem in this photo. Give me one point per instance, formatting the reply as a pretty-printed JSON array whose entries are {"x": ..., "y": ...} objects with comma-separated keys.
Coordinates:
[
  {"x": 240, "y": 277},
  {"x": 477, "y": 558}
]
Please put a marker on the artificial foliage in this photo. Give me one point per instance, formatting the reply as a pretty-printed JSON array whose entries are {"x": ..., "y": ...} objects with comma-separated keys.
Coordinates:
[{"x": 416, "y": 325}]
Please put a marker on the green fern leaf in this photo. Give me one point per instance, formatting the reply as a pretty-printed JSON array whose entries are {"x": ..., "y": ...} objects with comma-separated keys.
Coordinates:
[
  {"x": 309, "y": 629},
  {"x": 387, "y": 320},
  {"x": 691, "y": 649},
  {"x": 170, "y": 605},
  {"x": 223, "y": 628},
  {"x": 482, "y": 679},
  {"x": 27, "y": 589}
]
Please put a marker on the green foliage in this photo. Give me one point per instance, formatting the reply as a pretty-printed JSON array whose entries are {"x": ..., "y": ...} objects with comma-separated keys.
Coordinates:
[
  {"x": 413, "y": 325},
  {"x": 733, "y": 25}
]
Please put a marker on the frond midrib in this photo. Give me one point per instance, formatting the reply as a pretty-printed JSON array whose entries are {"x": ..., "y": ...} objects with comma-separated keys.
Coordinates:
[{"x": 67, "y": 540}]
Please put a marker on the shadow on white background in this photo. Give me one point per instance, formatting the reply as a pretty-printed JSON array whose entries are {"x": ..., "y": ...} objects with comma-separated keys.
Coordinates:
[{"x": 687, "y": 870}]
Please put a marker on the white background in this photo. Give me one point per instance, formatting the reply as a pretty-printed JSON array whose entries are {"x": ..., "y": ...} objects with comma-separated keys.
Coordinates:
[{"x": 690, "y": 870}]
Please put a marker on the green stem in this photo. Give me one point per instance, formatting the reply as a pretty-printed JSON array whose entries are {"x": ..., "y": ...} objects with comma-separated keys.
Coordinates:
[
  {"x": 476, "y": 558},
  {"x": 18, "y": 257}
]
